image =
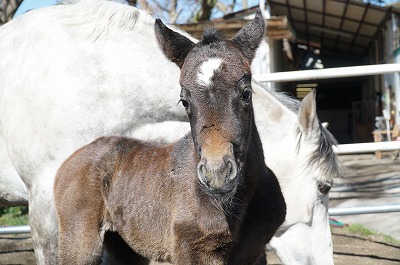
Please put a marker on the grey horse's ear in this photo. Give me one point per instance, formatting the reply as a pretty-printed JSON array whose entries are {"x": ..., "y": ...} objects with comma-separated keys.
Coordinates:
[
  {"x": 175, "y": 46},
  {"x": 250, "y": 36},
  {"x": 308, "y": 119}
]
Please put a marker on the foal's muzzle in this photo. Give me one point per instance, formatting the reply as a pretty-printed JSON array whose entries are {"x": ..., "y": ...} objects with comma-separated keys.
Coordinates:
[{"x": 218, "y": 177}]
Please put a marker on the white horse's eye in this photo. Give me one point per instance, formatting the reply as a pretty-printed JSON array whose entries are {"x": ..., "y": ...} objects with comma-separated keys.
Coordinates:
[{"x": 324, "y": 187}]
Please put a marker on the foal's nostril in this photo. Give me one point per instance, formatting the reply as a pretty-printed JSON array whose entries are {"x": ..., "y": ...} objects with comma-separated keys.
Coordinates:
[
  {"x": 201, "y": 171},
  {"x": 232, "y": 170},
  {"x": 229, "y": 168}
]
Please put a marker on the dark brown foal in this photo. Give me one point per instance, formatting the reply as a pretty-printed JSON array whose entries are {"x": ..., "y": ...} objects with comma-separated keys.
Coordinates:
[{"x": 206, "y": 199}]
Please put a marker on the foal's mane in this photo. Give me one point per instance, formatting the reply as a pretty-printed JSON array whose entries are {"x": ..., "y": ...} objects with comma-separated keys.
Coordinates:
[{"x": 323, "y": 156}]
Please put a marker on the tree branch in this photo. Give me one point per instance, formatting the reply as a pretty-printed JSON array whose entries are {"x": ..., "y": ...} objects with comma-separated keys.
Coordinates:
[
  {"x": 8, "y": 9},
  {"x": 145, "y": 6}
]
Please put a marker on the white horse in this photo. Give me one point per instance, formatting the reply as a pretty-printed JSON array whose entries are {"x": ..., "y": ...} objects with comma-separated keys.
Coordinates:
[{"x": 72, "y": 73}]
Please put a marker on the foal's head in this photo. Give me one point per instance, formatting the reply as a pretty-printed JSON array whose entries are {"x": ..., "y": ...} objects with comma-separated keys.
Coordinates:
[{"x": 216, "y": 93}]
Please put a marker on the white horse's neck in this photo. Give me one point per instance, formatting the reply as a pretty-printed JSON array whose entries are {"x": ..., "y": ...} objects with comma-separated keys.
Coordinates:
[
  {"x": 285, "y": 152},
  {"x": 276, "y": 126}
]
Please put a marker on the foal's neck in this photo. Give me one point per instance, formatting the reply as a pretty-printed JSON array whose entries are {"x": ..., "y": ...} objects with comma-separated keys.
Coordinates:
[
  {"x": 252, "y": 171},
  {"x": 254, "y": 167}
]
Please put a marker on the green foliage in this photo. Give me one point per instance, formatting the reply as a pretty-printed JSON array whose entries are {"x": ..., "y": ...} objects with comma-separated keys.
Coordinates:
[
  {"x": 391, "y": 240},
  {"x": 359, "y": 229},
  {"x": 11, "y": 216}
]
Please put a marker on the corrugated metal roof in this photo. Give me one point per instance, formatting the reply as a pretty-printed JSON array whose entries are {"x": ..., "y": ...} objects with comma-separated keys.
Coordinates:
[{"x": 340, "y": 26}]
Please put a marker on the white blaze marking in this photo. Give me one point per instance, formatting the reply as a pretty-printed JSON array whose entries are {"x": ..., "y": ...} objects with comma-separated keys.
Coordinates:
[{"x": 207, "y": 70}]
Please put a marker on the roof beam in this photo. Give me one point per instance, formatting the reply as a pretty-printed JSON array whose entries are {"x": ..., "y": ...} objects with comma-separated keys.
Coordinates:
[
  {"x": 359, "y": 27},
  {"x": 290, "y": 17},
  {"x": 328, "y": 15},
  {"x": 306, "y": 20},
  {"x": 332, "y": 29},
  {"x": 314, "y": 37},
  {"x": 323, "y": 20},
  {"x": 341, "y": 24}
]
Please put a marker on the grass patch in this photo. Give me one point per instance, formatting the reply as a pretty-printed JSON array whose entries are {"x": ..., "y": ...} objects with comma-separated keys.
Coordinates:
[
  {"x": 359, "y": 229},
  {"x": 12, "y": 216},
  {"x": 391, "y": 240},
  {"x": 362, "y": 230}
]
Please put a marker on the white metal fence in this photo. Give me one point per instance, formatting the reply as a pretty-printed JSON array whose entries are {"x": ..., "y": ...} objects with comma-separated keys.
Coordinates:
[
  {"x": 341, "y": 72},
  {"x": 338, "y": 72}
]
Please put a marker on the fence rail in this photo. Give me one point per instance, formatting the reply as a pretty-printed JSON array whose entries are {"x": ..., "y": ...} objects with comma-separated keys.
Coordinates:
[
  {"x": 360, "y": 148},
  {"x": 364, "y": 210},
  {"x": 332, "y": 212},
  {"x": 337, "y": 72},
  {"x": 15, "y": 229}
]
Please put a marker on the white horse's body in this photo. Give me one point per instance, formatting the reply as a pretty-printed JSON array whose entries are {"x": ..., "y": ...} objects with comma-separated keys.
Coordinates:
[
  {"x": 72, "y": 73},
  {"x": 12, "y": 189}
]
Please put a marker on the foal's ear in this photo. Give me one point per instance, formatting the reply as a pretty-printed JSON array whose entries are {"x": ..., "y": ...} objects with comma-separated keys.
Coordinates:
[
  {"x": 175, "y": 46},
  {"x": 250, "y": 36},
  {"x": 308, "y": 119}
]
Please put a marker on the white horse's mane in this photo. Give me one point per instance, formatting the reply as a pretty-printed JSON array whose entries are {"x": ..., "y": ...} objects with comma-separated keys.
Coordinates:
[
  {"x": 68, "y": 2},
  {"x": 72, "y": 2},
  {"x": 109, "y": 18}
]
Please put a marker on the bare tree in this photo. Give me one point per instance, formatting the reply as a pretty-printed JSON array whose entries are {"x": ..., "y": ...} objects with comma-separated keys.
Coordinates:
[
  {"x": 204, "y": 12},
  {"x": 168, "y": 7},
  {"x": 143, "y": 5},
  {"x": 228, "y": 6},
  {"x": 8, "y": 9},
  {"x": 189, "y": 10},
  {"x": 224, "y": 6}
]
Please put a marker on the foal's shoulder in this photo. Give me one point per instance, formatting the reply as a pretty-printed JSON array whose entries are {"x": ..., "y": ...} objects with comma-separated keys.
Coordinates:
[
  {"x": 124, "y": 145},
  {"x": 116, "y": 141},
  {"x": 119, "y": 143}
]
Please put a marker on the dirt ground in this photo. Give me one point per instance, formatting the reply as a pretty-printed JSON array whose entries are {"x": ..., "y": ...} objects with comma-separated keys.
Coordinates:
[
  {"x": 16, "y": 249},
  {"x": 349, "y": 249},
  {"x": 367, "y": 182}
]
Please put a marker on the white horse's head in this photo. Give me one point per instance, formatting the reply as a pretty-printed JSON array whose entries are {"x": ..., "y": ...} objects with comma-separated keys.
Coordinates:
[{"x": 299, "y": 150}]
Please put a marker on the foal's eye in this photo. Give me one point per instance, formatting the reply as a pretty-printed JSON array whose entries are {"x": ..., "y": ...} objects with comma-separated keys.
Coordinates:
[
  {"x": 185, "y": 103},
  {"x": 324, "y": 187},
  {"x": 246, "y": 95}
]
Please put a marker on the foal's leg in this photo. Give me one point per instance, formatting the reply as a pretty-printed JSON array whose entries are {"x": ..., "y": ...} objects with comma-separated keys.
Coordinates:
[
  {"x": 80, "y": 210},
  {"x": 79, "y": 242}
]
